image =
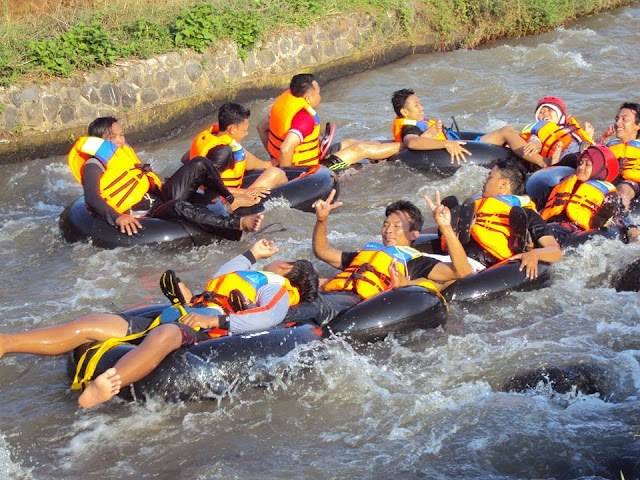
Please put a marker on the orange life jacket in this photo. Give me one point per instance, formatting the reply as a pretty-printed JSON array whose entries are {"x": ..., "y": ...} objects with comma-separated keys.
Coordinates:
[
  {"x": 368, "y": 274},
  {"x": 217, "y": 293},
  {"x": 491, "y": 228},
  {"x": 423, "y": 125},
  {"x": 208, "y": 139},
  {"x": 285, "y": 107},
  {"x": 551, "y": 134},
  {"x": 629, "y": 155},
  {"x": 579, "y": 202},
  {"x": 124, "y": 182},
  {"x": 248, "y": 282}
]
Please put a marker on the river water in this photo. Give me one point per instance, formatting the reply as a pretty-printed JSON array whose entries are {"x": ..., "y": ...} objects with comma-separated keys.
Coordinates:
[{"x": 425, "y": 405}]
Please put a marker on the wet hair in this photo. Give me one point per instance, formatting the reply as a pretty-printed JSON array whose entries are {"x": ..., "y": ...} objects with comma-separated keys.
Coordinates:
[
  {"x": 399, "y": 99},
  {"x": 305, "y": 278},
  {"x": 232, "y": 114},
  {"x": 632, "y": 106},
  {"x": 101, "y": 127},
  {"x": 301, "y": 84},
  {"x": 417, "y": 220},
  {"x": 511, "y": 169}
]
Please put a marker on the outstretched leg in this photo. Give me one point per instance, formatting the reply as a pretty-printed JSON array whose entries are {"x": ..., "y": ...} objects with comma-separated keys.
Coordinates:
[
  {"x": 372, "y": 150},
  {"x": 63, "y": 338},
  {"x": 134, "y": 365},
  {"x": 510, "y": 137}
]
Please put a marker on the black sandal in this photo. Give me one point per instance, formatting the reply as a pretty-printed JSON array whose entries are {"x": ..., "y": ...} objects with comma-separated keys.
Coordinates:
[{"x": 169, "y": 285}]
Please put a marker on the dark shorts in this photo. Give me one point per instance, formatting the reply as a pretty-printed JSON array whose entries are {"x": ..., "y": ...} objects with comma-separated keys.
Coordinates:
[{"x": 140, "y": 324}]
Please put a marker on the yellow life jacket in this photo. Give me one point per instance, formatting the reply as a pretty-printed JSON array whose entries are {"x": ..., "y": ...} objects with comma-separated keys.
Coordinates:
[
  {"x": 491, "y": 228},
  {"x": 124, "y": 182},
  {"x": 629, "y": 155},
  {"x": 368, "y": 274},
  {"x": 248, "y": 282},
  {"x": 580, "y": 204},
  {"x": 423, "y": 125},
  {"x": 285, "y": 107},
  {"x": 210, "y": 138},
  {"x": 550, "y": 135}
]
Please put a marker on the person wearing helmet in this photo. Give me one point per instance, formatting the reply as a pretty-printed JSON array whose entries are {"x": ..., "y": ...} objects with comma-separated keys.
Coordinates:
[
  {"x": 552, "y": 136},
  {"x": 586, "y": 200}
]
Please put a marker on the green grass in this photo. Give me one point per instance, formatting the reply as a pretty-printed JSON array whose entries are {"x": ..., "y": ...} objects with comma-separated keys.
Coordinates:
[{"x": 64, "y": 37}]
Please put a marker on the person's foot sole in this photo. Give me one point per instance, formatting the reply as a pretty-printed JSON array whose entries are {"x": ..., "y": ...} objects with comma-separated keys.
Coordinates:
[{"x": 103, "y": 388}]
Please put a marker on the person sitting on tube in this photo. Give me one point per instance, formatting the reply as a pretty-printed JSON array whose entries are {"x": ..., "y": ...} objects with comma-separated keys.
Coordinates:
[
  {"x": 378, "y": 267},
  {"x": 553, "y": 135},
  {"x": 626, "y": 148},
  {"x": 291, "y": 132},
  {"x": 220, "y": 143},
  {"x": 119, "y": 188},
  {"x": 417, "y": 132},
  {"x": 236, "y": 300},
  {"x": 586, "y": 200},
  {"x": 502, "y": 224}
]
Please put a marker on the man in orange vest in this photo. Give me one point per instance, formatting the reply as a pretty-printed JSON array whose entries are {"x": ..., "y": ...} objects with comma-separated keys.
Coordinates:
[
  {"x": 291, "y": 132},
  {"x": 503, "y": 224},
  {"x": 272, "y": 304},
  {"x": 380, "y": 267},
  {"x": 173, "y": 198},
  {"x": 419, "y": 133},
  {"x": 221, "y": 143},
  {"x": 626, "y": 148}
]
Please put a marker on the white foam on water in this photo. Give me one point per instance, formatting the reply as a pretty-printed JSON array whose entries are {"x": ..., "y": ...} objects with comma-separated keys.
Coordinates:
[{"x": 8, "y": 468}]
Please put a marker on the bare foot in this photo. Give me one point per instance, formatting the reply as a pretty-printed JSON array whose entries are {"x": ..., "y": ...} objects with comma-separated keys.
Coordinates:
[
  {"x": 251, "y": 223},
  {"x": 103, "y": 388}
]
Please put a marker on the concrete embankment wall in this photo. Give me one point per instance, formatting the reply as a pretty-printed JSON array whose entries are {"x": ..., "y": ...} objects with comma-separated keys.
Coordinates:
[{"x": 152, "y": 97}]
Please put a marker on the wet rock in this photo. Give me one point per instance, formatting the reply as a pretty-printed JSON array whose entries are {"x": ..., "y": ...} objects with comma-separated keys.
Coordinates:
[
  {"x": 583, "y": 378},
  {"x": 628, "y": 279}
]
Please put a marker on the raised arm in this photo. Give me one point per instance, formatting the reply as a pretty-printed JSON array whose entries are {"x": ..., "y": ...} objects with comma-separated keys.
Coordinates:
[
  {"x": 321, "y": 247},
  {"x": 459, "y": 266}
]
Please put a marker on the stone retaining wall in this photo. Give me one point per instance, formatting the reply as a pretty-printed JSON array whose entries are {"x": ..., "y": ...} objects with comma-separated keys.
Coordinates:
[{"x": 153, "y": 96}]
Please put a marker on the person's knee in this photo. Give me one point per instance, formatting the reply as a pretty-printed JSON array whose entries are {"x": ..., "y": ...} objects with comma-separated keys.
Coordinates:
[
  {"x": 168, "y": 335},
  {"x": 276, "y": 175}
]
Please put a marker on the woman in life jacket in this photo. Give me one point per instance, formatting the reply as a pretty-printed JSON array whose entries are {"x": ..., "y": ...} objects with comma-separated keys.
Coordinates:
[
  {"x": 553, "y": 129},
  {"x": 556, "y": 134},
  {"x": 586, "y": 200}
]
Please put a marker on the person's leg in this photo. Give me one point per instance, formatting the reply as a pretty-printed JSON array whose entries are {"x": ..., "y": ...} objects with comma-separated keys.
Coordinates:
[
  {"x": 184, "y": 183},
  {"x": 134, "y": 365},
  {"x": 509, "y": 136},
  {"x": 359, "y": 150},
  {"x": 63, "y": 338},
  {"x": 272, "y": 177}
]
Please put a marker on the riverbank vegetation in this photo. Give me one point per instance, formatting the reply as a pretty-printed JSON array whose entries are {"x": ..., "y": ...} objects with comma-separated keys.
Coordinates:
[{"x": 61, "y": 37}]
